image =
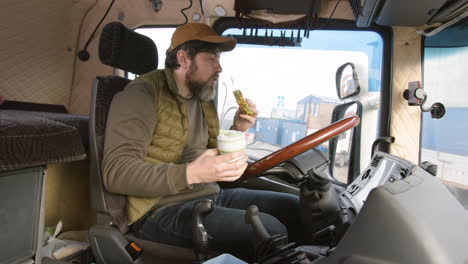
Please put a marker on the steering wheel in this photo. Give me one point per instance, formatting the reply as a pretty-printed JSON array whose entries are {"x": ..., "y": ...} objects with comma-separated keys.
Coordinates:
[{"x": 300, "y": 146}]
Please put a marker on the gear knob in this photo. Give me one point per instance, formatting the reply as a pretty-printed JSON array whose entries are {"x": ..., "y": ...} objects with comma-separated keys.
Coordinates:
[
  {"x": 200, "y": 235},
  {"x": 252, "y": 218}
]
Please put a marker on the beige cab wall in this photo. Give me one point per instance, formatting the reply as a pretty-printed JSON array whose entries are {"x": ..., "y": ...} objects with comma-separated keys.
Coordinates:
[
  {"x": 405, "y": 120},
  {"x": 134, "y": 13},
  {"x": 68, "y": 196},
  {"x": 39, "y": 39}
]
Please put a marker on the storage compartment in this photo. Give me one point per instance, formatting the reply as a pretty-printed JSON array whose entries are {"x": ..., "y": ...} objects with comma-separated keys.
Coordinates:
[
  {"x": 31, "y": 139},
  {"x": 20, "y": 202}
]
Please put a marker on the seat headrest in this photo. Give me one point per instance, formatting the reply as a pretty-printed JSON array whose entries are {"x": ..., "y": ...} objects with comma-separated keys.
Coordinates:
[{"x": 125, "y": 49}]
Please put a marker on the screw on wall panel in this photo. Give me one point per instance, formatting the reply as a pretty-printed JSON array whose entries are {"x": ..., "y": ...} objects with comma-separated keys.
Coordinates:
[
  {"x": 156, "y": 5},
  {"x": 121, "y": 16}
]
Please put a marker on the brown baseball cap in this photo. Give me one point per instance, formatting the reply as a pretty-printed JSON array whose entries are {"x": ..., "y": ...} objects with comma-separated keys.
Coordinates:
[{"x": 203, "y": 32}]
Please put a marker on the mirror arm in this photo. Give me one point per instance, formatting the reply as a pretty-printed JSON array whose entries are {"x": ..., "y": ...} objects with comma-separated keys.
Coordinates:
[{"x": 380, "y": 140}]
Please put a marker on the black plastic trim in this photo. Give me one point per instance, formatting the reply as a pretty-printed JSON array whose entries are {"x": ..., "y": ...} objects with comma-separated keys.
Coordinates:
[{"x": 354, "y": 168}]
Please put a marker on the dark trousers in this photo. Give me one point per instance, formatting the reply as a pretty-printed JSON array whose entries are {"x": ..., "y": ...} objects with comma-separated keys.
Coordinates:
[{"x": 172, "y": 224}]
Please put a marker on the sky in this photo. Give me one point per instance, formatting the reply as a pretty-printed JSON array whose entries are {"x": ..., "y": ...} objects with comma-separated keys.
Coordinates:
[{"x": 262, "y": 74}]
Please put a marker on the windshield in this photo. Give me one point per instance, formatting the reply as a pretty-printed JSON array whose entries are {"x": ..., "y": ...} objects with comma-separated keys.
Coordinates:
[{"x": 294, "y": 86}]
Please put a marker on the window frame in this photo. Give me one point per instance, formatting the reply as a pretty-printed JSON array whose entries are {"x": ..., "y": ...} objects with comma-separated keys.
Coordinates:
[{"x": 386, "y": 33}]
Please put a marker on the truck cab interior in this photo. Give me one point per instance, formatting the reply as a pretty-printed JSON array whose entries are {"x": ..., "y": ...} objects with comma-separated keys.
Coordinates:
[{"x": 361, "y": 115}]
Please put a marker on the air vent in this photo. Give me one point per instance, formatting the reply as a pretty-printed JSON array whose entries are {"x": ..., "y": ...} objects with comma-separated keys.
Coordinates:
[
  {"x": 356, "y": 7},
  {"x": 353, "y": 189},
  {"x": 376, "y": 161},
  {"x": 367, "y": 174},
  {"x": 365, "y": 11}
]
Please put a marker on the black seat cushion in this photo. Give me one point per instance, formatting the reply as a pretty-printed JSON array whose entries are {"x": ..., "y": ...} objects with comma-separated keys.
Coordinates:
[
  {"x": 38, "y": 138},
  {"x": 108, "y": 86},
  {"x": 125, "y": 49},
  {"x": 112, "y": 203}
]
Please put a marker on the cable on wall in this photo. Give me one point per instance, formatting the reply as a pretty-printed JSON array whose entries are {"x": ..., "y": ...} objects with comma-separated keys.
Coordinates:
[
  {"x": 83, "y": 54},
  {"x": 185, "y": 9}
]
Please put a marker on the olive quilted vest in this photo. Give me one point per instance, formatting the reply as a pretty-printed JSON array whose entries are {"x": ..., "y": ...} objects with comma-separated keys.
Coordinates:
[{"x": 170, "y": 134}]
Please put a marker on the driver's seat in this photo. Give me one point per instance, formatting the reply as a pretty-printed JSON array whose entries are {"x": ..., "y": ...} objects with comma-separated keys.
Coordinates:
[{"x": 127, "y": 50}]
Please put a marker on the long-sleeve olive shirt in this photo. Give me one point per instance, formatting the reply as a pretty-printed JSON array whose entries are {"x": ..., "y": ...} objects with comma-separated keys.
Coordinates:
[{"x": 130, "y": 126}]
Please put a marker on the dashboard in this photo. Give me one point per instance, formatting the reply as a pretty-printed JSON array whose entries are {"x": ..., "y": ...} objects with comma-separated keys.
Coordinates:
[{"x": 384, "y": 168}]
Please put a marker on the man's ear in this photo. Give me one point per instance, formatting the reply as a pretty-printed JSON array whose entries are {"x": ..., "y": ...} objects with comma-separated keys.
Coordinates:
[{"x": 183, "y": 59}]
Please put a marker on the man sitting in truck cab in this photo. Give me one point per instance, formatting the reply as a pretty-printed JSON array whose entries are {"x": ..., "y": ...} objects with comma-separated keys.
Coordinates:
[{"x": 160, "y": 150}]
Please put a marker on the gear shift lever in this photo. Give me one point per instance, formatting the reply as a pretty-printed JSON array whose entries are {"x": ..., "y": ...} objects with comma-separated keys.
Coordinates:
[
  {"x": 271, "y": 249},
  {"x": 322, "y": 216},
  {"x": 251, "y": 217},
  {"x": 200, "y": 235}
]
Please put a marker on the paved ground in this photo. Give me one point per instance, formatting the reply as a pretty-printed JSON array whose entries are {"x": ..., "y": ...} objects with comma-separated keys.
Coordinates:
[{"x": 450, "y": 167}]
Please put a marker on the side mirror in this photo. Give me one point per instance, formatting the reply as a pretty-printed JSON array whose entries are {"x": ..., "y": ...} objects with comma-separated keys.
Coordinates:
[
  {"x": 347, "y": 83},
  {"x": 345, "y": 149}
]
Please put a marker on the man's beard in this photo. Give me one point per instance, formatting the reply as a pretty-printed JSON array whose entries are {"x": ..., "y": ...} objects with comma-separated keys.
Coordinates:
[{"x": 202, "y": 90}]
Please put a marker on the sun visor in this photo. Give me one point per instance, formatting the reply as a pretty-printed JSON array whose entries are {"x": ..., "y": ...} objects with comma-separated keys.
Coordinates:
[
  {"x": 405, "y": 13},
  {"x": 291, "y": 7},
  {"x": 454, "y": 36},
  {"x": 408, "y": 13}
]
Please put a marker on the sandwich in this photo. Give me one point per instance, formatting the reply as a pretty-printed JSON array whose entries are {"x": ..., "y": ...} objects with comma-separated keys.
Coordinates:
[{"x": 242, "y": 103}]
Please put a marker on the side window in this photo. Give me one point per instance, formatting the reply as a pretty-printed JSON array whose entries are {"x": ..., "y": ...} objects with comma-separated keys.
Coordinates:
[{"x": 444, "y": 141}]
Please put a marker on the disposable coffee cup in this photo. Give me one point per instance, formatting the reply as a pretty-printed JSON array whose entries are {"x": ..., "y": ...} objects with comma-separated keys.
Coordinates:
[{"x": 230, "y": 141}]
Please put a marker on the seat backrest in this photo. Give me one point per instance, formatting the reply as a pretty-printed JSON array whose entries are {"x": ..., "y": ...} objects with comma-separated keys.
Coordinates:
[{"x": 127, "y": 50}]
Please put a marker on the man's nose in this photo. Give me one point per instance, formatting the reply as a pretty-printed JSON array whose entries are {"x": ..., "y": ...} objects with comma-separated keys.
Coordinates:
[{"x": 218, "y": 67}]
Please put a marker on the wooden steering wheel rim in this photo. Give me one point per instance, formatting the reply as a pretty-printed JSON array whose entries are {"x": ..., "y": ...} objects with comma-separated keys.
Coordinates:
[{"x": 300, "y": 146}]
